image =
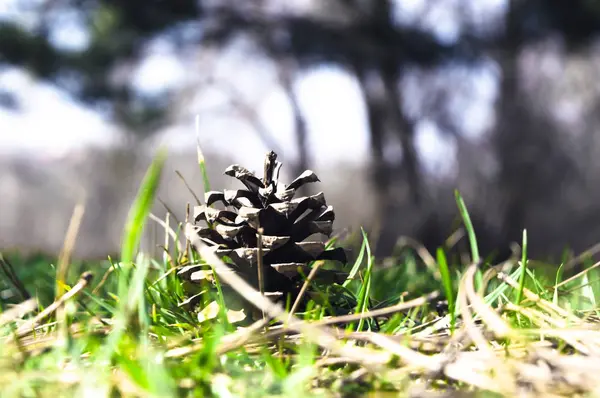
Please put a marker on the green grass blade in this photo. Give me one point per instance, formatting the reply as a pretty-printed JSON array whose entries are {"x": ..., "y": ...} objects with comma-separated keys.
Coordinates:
[
  {"x": 470, "y": 233},
  {"x": 200, "y": 156},
  {"x": 469, "y": 226},
  {"x": 523, "y": 268},
  {"x": 559, "y": 275},
  {"x": 363, "y": 295},
  {"x": 130, "y": 290},
  {"x": 141, "y": 208},
  {"x": 357, "y": 263},
  {"x": 448, "y": 287},
  {"x": 501, "y": 289},
  {"x": 594, "y": 277}
]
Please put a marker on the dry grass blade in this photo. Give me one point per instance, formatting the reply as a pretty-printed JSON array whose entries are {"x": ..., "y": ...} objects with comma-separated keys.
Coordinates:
[
  {"x": 585, "y": 341},
  {"x": 473, "y": 368},
  {"x": 467, "y": 372},
  {"x": 453, "y": 239},
  {"x": 504, "y": 378},
  {"x": 427, "y": 258},
  {"x": 168, "y": 230},
  {"x": 545, "y": 304},
  {"x": 68, "y": 246},
  {"x": 538, "y": 317},
  {"x": 382, "y": 311},
  {"x": 18, "y": 311},
  {"x": 589, "y": 253},
  {"x": 487, "y": 314},
  {"x": 241, "y": 337},
  {"x": 435, "y": 344},
  {"x": 318, "y": 335},
  {"x": 546, "y": 321},
  {"x": 228, "y": 343},
  {"x": 30, "y": 325},
  {"x": 408, "y": 355},
  {"x": 274, "y": 332},
  {"x": 103, "y": 280},
  {"x": 64, "y": 261},
  {"x": 578, "y": 275},
  {"x": 471, "y": 328}
]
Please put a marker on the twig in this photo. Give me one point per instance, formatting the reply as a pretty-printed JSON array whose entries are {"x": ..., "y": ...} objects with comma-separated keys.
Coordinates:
[
  {"x": 310, "y": 277},
  {"x": 169, "y": 210},
  {"x": 198, "y": 201}
]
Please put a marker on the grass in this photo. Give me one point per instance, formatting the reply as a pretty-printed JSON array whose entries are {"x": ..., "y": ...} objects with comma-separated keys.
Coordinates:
[{"x": 507, "y": 329}]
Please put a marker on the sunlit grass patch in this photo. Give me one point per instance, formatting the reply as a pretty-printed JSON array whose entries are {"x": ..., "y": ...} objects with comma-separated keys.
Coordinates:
[{"x": 415, "y": 324}]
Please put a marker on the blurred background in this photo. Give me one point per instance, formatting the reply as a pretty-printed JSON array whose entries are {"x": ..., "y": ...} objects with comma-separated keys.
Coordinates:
[{"x": 393, "y": 103}]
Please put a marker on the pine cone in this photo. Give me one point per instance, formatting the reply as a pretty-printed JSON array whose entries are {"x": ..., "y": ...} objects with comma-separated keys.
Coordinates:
[{"x": 266, "y": 208}]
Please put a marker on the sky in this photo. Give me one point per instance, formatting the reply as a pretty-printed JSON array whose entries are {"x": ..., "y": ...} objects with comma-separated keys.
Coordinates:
[{"x": 52, "y": 125}]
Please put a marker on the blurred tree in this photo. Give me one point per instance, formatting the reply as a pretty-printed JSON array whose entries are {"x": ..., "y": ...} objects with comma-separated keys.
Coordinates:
[
  {"x": 117, "y": 32},
  {"x": 364, "y": 37},
  {"x": 532, "y": 162}
]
